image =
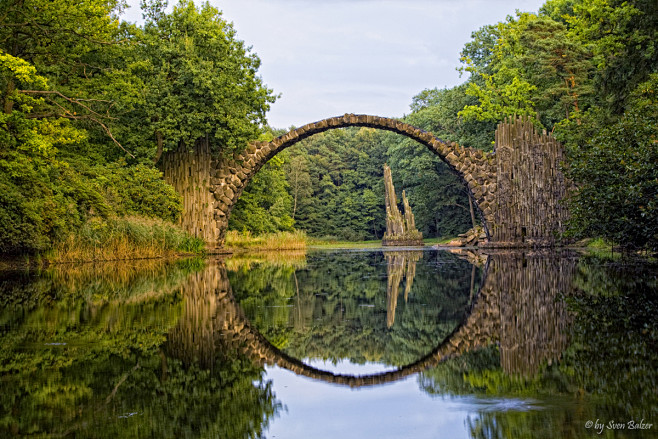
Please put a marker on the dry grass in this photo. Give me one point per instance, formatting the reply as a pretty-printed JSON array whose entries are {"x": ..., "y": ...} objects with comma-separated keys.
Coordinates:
[
  {"x": 271, "y": 242},
  {"x": 126, "y": 238}
]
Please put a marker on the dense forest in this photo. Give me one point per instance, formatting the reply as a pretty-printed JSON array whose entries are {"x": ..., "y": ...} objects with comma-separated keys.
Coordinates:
[{"x": 91, "y": 102}]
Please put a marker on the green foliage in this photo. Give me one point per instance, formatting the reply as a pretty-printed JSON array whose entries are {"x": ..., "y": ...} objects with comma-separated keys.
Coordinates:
[
  {"x": 41, "y": 196},
  {"x": 438, "y": 198},
  {"x": 615, "y": 332},
  {"x": 139, "y": 190},
  {"x": 607, "y": 372},
  {"x": 615, "y": 173},
  {"x": 265, "y": 206},
  {"x": 79, "y": 89},
  {"x": 623, "y": 38},
  {"x": 336, "y": 183},
  {"x": 88, "y": 352},
  {"x": 335, "y": 180},
  {"x": 198, "y": 79},
  {"x": 535, "y": 68},
  {"x": 438, "y": 111},
  {"x": 45, "y": 197},
  {"x": 335, "y": 307},
  {"x": 578, "y": 68}
]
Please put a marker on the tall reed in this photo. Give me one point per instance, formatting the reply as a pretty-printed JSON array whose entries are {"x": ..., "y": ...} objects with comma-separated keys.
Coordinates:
[
  {"x": 122, "y": 239},
  {"x": 273, "y": 241}
]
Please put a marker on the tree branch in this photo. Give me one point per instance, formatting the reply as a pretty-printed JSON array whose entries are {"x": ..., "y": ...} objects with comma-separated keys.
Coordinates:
[
  {"x": 69, "y": 115},
  {"x": 71, "y": 100}
]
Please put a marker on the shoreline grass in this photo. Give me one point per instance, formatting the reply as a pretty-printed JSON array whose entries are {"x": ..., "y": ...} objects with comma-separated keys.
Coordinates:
[
  {"x": 127, "y": 238},
  {"x": 296, "y": 240}
]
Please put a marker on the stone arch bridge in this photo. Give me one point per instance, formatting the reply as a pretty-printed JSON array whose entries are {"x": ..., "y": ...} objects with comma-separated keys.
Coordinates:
[{"x": 517, "y": 189}]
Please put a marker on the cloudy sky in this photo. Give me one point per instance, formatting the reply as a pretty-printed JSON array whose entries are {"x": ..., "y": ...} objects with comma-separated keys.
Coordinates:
[{"x": 330, "y": 57}]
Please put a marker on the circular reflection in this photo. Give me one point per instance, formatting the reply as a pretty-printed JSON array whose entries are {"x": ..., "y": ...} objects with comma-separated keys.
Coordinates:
[{"x": 352, "y": 310}]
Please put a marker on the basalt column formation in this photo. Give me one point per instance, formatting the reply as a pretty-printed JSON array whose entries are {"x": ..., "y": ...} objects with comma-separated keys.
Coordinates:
[{"x": 400, "y": 230}]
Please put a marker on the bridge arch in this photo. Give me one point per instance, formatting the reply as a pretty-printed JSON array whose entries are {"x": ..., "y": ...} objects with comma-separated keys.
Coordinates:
[
  {"x": 524, "y": 318},
  {"x": 518, "y": 189},
  {"x": 472, "y": 166}
]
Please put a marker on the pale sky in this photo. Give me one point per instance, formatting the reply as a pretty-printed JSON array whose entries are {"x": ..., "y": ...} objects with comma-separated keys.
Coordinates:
[{"x": 330, "y": 57}]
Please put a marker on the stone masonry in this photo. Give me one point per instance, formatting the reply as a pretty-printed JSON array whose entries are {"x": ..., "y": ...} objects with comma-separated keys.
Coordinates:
[{"x": 517, "y": 192}]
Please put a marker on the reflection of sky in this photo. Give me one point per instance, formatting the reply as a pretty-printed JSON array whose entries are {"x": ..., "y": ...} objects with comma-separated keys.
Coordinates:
[{"x": 315, "y": 409}]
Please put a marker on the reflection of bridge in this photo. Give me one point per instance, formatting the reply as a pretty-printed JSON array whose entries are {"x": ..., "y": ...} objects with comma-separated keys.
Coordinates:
[{"x": 515, "y": 307}]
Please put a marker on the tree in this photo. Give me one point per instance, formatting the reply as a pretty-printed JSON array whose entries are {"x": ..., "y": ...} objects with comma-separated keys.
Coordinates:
[
  {"x": 73, "y": 45},
  {"x": 198, "y": 80},
  {"x": 265, "y": 206},
  {"x": 344, "y": 195},
  {"x": 536, "y": 69},
  {"x": 299, "y": 179},
  {"x": 623, "y": 38},
  {"x": 615, "y": 174},
  {"x": 437, "y": 110}
]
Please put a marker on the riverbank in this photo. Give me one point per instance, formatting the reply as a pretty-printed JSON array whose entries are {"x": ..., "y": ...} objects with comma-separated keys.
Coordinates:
[
  {"x": 114, "y": 239},
  {"x": 236, "y": 241},
  {"x": 136, "y": 238},
  {"x": 298, "y": 240}
]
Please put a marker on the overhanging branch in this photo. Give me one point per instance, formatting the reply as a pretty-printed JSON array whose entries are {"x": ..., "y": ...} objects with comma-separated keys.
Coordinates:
[{"x": 93, "y": 115}]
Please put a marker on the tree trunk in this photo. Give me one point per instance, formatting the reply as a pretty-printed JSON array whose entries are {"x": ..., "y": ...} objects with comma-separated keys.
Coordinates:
[
  {"x": 8, "y": 104},
  {"x": 160, "y": 140}
]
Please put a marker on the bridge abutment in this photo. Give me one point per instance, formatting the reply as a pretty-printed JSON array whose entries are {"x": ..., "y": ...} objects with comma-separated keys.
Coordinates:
[
  {"x": 189, "y": 171},
  {"x": 529, "y": 208}
]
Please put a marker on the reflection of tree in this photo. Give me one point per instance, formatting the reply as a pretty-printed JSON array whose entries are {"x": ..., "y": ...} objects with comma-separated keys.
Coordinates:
[
  {"x": 85, "y": 358},
  {"x": 336, "y": 306},
  {"x": 529, "y": 321},
  {"x": 399, "y": 264},
  {"x": 614, "y": 354},
  {"x": 288, "y": 258}
]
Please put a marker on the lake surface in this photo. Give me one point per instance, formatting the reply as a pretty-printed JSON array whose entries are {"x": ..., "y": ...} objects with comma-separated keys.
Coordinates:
[{"x": 342, "y": 343}]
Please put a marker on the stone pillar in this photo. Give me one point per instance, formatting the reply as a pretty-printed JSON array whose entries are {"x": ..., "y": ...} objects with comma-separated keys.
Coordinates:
[
  {"x": 529, "y": 209},
  {"x": 400, "y": 230},
  {"x": 188, "y": 171}
]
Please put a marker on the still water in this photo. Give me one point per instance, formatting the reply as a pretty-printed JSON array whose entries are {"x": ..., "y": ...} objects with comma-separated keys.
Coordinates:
[{"x": 327, "y": 344}]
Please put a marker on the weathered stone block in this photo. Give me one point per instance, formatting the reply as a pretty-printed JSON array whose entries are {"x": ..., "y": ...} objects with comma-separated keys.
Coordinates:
[{"x": 452, "y": 158}]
